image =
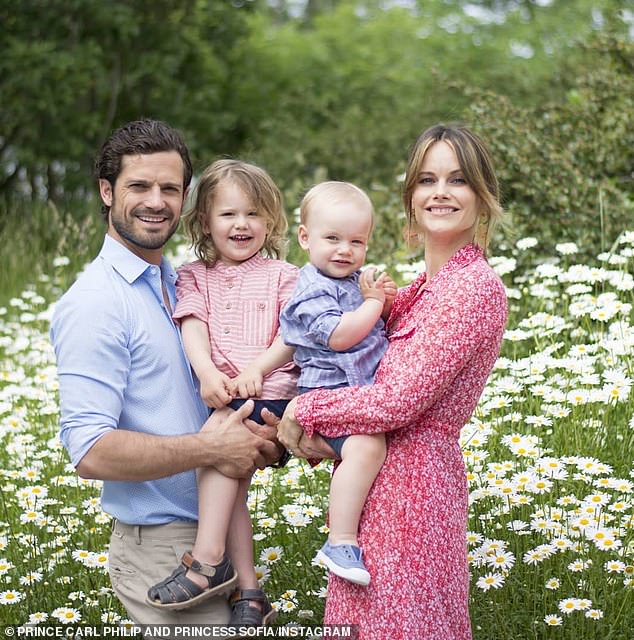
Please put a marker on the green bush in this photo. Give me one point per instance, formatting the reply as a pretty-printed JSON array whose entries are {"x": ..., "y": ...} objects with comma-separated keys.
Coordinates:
[{"x": 566, "y": 168}]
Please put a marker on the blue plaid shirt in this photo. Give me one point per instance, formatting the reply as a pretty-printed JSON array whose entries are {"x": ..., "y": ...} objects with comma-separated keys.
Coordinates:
[{"x": 308, "y": 320}]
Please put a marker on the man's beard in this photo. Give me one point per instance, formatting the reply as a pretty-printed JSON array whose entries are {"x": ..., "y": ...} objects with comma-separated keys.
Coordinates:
[{"x": 124, "y": 226}]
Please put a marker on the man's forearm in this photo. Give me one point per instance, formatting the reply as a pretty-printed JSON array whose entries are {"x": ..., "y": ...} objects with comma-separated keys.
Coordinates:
[
  {"x": 224, "y": 442},
  {"x": 128, "y": 455}
]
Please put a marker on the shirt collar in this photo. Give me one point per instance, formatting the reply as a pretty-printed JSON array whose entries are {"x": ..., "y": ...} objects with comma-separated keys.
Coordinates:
[
  {"x": 254, "y": 262},
  {"x": 129, "y": 265},
  {"x": 353, "y": 277}
]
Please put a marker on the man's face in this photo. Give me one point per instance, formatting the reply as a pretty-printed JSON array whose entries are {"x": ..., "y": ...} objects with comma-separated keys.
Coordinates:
[{"x": 146, "y": 202}]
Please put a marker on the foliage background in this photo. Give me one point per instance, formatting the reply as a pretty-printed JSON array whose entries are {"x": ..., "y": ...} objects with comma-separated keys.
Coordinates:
[{"x": 315, "y": 89}]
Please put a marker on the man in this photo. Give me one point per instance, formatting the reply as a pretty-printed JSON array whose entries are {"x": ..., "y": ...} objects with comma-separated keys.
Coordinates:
[{"x": 130, "y": 410}]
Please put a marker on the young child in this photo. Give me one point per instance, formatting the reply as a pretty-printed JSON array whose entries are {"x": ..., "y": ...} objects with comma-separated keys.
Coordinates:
[
  {"x": 334, "y": 321},
  {"x": 229, "y": 303}
]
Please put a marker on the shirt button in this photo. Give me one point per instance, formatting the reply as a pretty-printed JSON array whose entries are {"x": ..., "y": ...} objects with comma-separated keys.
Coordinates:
[
  {"x": 153, "y": 270},
  {"x": 228, "y": 305},
  {"x": 261, "y": 305},
  {"x": 226, "y": 330}
]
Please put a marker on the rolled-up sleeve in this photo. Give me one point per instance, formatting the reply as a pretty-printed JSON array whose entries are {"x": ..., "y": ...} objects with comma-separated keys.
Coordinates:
[
  {"x": 319, "y": 314},
  {"x": 93, "y": 363},
  {"x": 190, "y": 295}
]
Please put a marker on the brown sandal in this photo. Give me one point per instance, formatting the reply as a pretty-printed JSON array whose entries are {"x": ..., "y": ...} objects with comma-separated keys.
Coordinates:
[{"x": 178, "y": 592}]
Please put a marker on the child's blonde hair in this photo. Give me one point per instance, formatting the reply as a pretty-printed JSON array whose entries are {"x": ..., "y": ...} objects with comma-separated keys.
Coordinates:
[
  {"x": 333, "y": 191},
  {"x": 258, "y": 185}
]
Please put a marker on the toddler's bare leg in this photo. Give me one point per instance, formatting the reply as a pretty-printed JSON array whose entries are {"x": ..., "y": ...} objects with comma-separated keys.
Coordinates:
[
  {"x": 217, "y": 496},
  {"x": 240, "y": 542},
  {"x": 361, "y": 458}
]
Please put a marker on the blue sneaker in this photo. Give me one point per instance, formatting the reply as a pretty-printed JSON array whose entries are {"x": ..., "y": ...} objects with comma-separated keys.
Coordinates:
[{"x": 345, "y": 561}]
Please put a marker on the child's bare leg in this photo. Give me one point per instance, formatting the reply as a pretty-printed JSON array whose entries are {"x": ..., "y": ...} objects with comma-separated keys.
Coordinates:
[
  {"x": 240, "y": 542},
  {"x": 361, "y": 459},
  {"x": 216, "y": 501}
]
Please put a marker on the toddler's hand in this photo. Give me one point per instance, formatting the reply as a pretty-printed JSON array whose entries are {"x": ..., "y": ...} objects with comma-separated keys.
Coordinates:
[
  {"x": 390, "y": 289},
  {"x": 371, "y": 288},
  {"x": 248, "y": 384},
  {"x": 215, "y": 390}
]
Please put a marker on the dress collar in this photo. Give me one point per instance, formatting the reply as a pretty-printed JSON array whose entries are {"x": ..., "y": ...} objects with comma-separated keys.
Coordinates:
[{"x": 459, "y": 260}]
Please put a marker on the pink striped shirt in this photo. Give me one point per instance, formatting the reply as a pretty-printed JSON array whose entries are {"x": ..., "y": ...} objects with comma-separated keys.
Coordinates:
[{"x": 241, "y": 306}]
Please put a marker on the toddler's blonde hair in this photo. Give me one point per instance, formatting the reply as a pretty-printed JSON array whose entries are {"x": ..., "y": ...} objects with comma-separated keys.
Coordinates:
[
  {"x": 332, "y": 191},
  {"x": 259, "y": 187}
]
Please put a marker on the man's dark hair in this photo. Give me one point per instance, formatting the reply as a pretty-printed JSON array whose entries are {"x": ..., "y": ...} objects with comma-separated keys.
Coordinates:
[{"x": 140, "y": 137}]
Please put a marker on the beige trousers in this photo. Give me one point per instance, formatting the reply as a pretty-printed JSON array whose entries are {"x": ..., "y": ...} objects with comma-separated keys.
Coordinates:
[{"x": 141, "y": 556}]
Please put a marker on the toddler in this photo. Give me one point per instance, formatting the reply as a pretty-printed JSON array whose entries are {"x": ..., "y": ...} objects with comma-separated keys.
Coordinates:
[
  {"x": 334, "y": 321},
  {"x": 228, "y": 303}
]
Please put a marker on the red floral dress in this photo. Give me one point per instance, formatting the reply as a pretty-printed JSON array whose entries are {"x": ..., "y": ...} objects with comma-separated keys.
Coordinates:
[{"x": 444, "y": 340}]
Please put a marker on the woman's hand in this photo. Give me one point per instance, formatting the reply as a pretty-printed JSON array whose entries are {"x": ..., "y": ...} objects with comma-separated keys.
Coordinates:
[
  {"x": 292, "y": 436},
  {"x": 289, "y": 431}
]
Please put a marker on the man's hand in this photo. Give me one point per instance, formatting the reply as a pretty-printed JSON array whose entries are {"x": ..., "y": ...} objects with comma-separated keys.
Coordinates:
[
  {"x": 239, "y": 445},
  {"x": 216, "y": 389},
  {"x": 248, "y": 384}
]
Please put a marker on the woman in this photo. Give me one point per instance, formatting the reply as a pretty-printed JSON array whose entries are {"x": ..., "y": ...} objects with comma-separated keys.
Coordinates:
[{"x": 444, "y": 332}]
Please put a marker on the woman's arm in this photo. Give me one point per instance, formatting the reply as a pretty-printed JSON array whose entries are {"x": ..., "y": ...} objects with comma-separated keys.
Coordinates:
[{"x": 466, "y": 319}]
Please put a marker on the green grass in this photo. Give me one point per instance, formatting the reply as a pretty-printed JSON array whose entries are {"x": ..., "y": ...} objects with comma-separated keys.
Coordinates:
[
  {"x": 37, "y": 235},
  {"x": 548, "y": 452}
]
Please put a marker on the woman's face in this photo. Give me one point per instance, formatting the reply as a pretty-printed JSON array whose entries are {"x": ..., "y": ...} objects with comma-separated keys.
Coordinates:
[{"x": 445, "y": 206}]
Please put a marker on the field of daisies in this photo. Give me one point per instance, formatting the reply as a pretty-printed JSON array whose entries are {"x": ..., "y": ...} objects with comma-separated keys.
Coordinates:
[{"x": 548, "y": 453}]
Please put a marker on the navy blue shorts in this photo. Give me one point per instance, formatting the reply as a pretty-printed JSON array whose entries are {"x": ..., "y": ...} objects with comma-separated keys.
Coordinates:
[
  {"x": 335, "y": 443},
  {"x": 276, "y": 406}
]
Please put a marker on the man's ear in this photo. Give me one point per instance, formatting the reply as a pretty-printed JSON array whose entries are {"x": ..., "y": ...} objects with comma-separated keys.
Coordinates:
[
  {"x": 105, "y": 191},
  {"x": 302, "y": 236}
]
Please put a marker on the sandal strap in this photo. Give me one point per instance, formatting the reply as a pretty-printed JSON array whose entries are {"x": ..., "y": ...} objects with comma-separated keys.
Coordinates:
[
  {"x": 248, "y": 594},
  {"x": 175, "y": 588},
  {"x": 204, "y": 569}
]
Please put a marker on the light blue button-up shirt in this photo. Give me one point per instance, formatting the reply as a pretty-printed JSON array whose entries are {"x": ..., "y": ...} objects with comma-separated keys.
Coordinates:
[{"x": 121, "y": 365}]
